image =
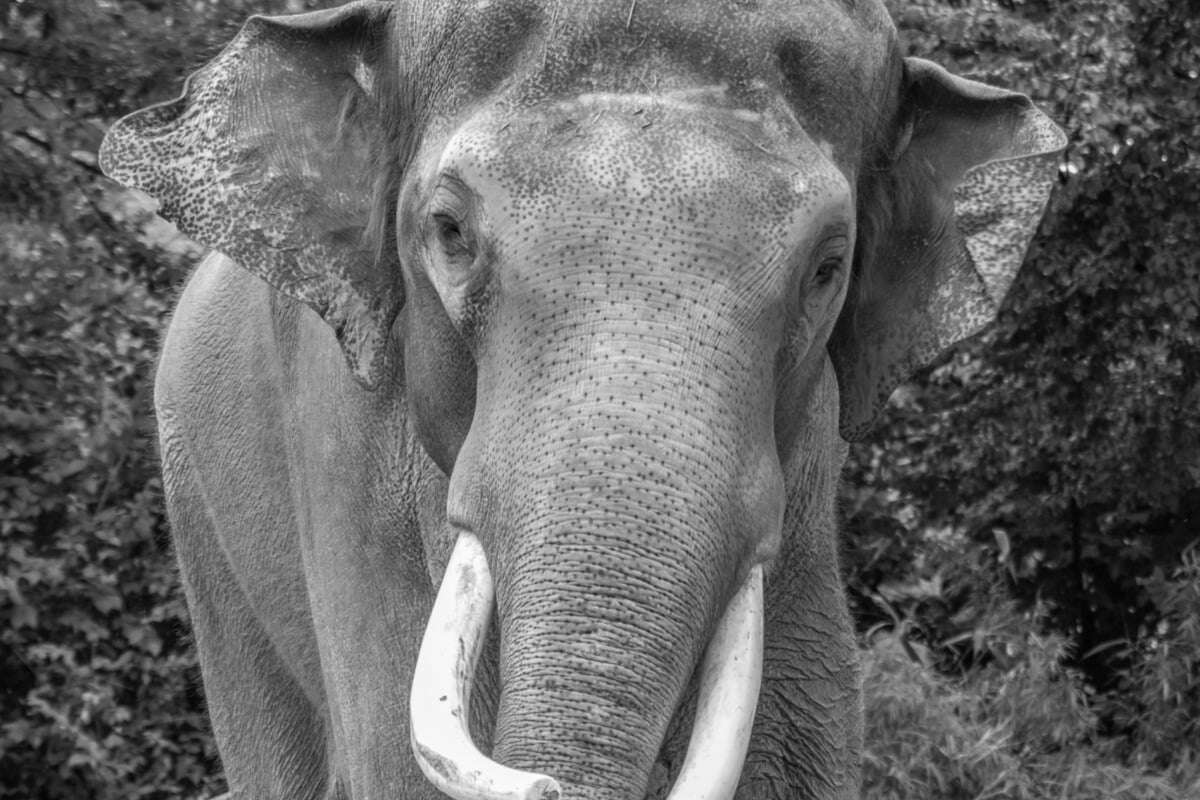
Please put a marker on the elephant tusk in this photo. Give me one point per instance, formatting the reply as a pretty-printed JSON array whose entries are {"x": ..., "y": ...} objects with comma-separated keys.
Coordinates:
[
  {"x": 441, "y": 689},
  {"x": 729, "y": 685}
]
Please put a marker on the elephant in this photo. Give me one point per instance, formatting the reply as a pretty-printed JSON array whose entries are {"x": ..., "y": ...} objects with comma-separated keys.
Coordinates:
[{"x": 501, "y": 429}]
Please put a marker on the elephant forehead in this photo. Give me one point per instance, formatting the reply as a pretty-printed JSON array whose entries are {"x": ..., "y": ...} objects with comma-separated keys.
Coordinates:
[
  {"x": 833, "y": 58},
  {"x": 679, "y": 156}
]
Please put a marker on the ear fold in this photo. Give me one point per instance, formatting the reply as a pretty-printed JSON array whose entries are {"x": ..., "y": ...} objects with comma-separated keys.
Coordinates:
[
  {"x": 942, "y": 231},
  {"x": 272, "y": 156}
]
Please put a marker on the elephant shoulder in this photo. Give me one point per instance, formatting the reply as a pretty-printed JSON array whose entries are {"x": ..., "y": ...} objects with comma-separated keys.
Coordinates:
[
  {"x": 221, "y": 331},
  {"x": 222, "y": 368}
]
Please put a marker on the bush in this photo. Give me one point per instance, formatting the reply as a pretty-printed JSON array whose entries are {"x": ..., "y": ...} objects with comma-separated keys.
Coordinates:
[
  {"x": 1066, "y": 437},
  {"x": 1159, "y": 697},
  {"x": 99, "y": 697},
  {"x": 1019, "y": 728}
]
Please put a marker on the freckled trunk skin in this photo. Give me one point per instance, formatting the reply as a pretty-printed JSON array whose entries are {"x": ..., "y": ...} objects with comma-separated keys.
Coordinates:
[
  {"x": 624, "y": 490},
  {"x": 588, "y": 693},
  {"x": 608, "y": 593}
]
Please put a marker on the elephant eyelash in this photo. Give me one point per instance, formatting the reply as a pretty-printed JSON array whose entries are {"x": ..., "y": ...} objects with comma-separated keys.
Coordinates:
[
  {"x": 902, "y": 141},
  {"x": 831, "y": 258},
  {"x": 827, "y": 270},
  {"x": 451, "y": 237}
]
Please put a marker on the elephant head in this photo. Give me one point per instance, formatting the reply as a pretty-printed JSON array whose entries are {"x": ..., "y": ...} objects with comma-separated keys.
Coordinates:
[{"x": 638, "y": 266}]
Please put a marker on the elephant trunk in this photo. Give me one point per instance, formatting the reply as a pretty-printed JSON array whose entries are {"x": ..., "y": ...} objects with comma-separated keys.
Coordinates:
[
  {"x": 729, "y": 684},
  {"x": 596, "y": 649}
]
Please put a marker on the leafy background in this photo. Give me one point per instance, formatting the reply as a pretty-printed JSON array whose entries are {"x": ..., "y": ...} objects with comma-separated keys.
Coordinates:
[{"x": 1021, "y": 531}]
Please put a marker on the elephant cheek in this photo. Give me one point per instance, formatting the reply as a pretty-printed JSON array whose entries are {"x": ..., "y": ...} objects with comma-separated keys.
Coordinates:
[{"x": 439, "y": 375}]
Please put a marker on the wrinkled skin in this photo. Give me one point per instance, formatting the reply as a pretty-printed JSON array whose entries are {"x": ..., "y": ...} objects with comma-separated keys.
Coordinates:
[{"x": 607, "y": 284}]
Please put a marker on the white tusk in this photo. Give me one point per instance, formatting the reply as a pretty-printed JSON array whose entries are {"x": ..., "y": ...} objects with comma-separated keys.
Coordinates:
[
  {"x": 441, "y": 690},
  {"x": 729, "y": 687}
]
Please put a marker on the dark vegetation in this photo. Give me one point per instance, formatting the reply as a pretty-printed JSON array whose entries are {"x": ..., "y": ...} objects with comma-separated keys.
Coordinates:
[{"x": 1020, "y": 532}]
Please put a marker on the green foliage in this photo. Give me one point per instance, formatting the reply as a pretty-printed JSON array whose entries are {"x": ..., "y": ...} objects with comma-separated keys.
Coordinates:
[
  {"x": 1066, "y": 440},
  {"x": 1019, "y": 732},
  {"x": 1160, "y": 694},
  {"x": 100, "y": 695},
  {"x": 1020, "y": 521},
  {"x": 93, "y": 651},
  {"x": 996, "y": 712},
  {"x": 970, "y": 695}
]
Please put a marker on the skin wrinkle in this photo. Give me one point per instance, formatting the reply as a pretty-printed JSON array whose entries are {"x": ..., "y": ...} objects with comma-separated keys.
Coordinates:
[
  {"x": 798, "y": 658},
  {"x": 296, "y": 730},
  {"x": 222, "y": 408},
  {"x": 392, "y": 448}
]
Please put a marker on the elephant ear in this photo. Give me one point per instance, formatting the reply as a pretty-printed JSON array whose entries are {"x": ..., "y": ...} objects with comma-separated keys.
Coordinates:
[
  {"x": 943, "y": 230},
  {"x": 272, "y": 155}
]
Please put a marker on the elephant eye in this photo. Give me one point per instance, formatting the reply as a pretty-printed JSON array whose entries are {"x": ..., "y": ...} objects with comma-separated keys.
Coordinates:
[
  {"x": 830, "y": 257},
  {"x": 827, "y": 271},
  {"x": 450, "y": 236}
]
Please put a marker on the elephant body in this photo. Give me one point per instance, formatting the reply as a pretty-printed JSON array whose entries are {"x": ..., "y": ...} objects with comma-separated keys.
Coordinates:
[{"x": 596, "y": 290}]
